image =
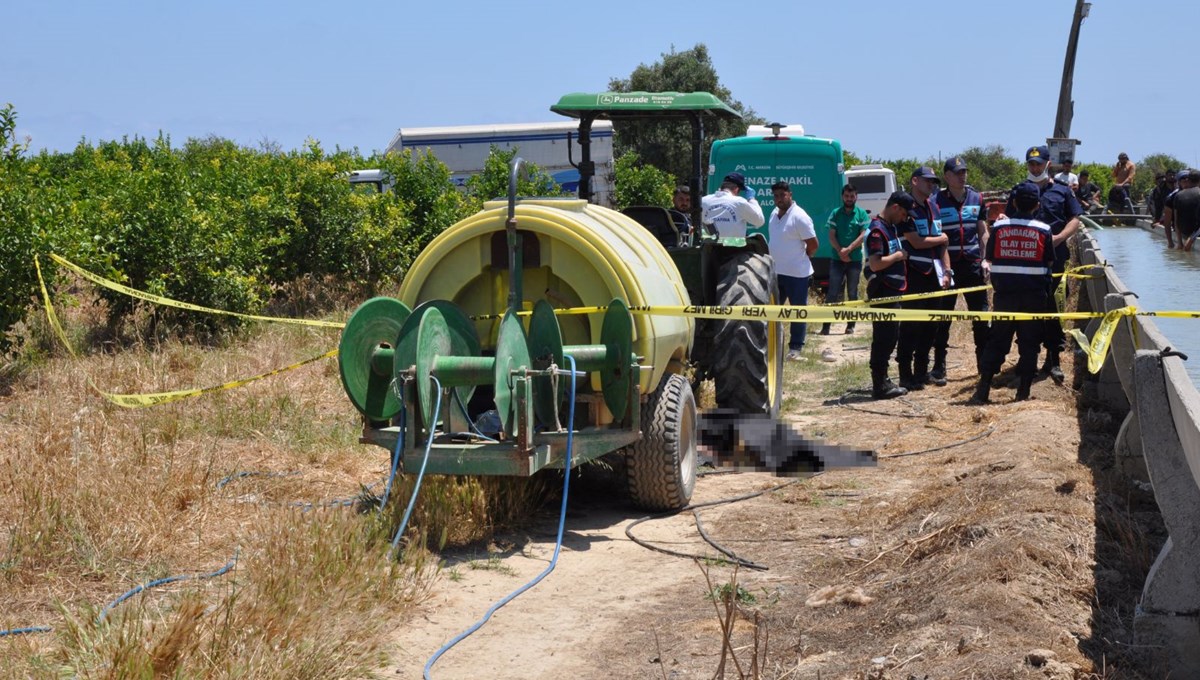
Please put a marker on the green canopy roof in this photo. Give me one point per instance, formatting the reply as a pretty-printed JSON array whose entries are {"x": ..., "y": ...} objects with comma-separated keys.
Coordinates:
[{"x": 624, "y": 105}]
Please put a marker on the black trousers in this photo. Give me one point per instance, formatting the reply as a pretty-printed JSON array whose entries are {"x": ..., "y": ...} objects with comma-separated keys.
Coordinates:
[
  {"x": 1029, "y": 333},
  {"x": 1053, "y": 338},
  {"x": 967, "y": 274},
  {"x": 884, "y": 334},
  {"x": 916, "y": 337}
]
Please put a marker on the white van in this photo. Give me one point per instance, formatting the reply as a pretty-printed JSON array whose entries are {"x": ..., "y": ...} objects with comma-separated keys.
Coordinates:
[{"x": 875, "y": 184}]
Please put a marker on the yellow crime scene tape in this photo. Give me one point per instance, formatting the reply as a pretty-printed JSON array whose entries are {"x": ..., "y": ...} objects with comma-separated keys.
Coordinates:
[
  {"x": 168, "y": 302},
  {"x": 156, "y": 398},
  {"x": 1096, "y": 349}
]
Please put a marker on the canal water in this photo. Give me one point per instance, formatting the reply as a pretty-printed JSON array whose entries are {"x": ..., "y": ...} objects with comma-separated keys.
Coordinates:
[{"x": 1163, "y": 279}]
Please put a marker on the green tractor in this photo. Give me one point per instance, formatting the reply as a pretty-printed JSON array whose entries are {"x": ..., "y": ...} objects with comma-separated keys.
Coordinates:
[
  {"x": 469, "y": 370},
  {"x": 744, "y": 359}
]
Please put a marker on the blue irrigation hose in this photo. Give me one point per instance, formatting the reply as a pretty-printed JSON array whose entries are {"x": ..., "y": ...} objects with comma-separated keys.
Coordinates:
[
  {"x": 163, "y": 581},
  {"x": 387, "y": 489},
  {"x": 24, "y": 631},
  {"x": 562, "y": 520},
  {"x": 412, "y": 501}
]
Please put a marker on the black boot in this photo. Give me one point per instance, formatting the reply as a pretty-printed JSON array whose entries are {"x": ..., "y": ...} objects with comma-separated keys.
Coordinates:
[
  {"x": 884, "y": 388},
  {"x": 908, "y": 382},
  {"x": 1024, "y": 387},
  {"x": 938, "y": 375},
  {"x": 825, "y": 329},
  {"x": 982, "y": 391},
  {"x": 1052, "y": 369},
  {"x": 850, "y": 328}
]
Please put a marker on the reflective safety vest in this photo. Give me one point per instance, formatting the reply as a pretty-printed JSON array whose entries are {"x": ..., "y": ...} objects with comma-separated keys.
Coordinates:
[
  {"x": 883, "y": 240},
  {"x": 961, "y": 224},
  {"x": 923, "y": 220},
  {"x": 1022, "y": 253}
]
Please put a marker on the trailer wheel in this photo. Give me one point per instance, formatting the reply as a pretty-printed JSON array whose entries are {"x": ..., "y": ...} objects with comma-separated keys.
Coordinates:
[
  {"x": 747, "y": 356},
  {"x": 661, "y": 467}
]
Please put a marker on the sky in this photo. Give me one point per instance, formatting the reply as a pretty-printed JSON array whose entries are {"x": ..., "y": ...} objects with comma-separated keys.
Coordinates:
[{"x": 889, "y": 79}]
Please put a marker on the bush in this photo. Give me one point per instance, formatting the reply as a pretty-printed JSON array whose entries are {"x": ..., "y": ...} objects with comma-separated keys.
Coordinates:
[{"x": 211, "y": 223}]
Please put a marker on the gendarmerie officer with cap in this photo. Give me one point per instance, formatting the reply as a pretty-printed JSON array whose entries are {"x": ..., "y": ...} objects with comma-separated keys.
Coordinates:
[
  {"x": 1058, "y": 208},
  {"x": 731, "y": 209},
  {"x": 960, "y": 208},
  {"x": 886, "y": 277},
  {"x": 1021, "y": 253},
  {"x": 928, "y": 271}
]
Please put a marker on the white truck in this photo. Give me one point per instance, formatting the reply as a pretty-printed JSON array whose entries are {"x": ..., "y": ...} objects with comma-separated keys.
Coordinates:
[{"x": 465, "y": 148}]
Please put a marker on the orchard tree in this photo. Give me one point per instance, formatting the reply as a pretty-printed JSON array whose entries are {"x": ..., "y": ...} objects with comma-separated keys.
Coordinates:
[
  {"x": 1150, "y": 166},
  {"x": 991, "y": 168},
  {"x": 10, "y": 147},
  {"x": 667, "y": 145},
  {"x": 640, "y": 184}
]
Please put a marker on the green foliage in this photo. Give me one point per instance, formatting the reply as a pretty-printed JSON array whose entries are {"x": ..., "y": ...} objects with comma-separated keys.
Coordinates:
[
  {"x": 10, "y": 148},
  {"x": 667, "y": 146},
  {"x": 493, "y": 181},
  {"x": 990, "y": 168},
  {"x": 640, "y": 184},
  {"x": 212, "y": 223},
  {"x": 730, "y": 591},
  {"x": 1147, "y": 168}
]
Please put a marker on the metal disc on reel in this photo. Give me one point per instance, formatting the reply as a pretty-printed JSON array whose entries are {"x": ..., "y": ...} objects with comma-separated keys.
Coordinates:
[
  {"x": 617, "y": 337},
  {"x": 365, "y": 356},
  {"x": 545, "y": 348},
  {"x": 512, "y": 352},
  {"x": 463, "y": 342},
  {"x": 433, "y": 340}
]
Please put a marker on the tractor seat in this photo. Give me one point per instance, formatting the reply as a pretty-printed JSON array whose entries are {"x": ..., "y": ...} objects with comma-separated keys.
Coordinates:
[{"x": 658, "y": 221}]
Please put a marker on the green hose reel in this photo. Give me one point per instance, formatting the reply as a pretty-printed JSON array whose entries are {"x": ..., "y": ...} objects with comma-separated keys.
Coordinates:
[{"x": 385, "y": 344}]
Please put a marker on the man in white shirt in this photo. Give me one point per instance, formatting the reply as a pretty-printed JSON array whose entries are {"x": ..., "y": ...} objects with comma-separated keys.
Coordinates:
[
  {"x": 793, "y": 241},
  {"x": 1068, "y": 177},
  {"x": 733, "y": 208}
]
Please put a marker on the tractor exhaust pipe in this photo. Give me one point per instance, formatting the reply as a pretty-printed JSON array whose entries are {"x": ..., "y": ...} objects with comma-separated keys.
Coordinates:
[{"x": 515, "y": 269}]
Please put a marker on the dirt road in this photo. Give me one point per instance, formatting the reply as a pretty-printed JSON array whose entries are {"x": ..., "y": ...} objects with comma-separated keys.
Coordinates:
[{"x": 1017, "y": 555}]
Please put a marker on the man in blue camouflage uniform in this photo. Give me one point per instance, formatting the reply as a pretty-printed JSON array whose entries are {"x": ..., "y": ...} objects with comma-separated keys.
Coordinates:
[{"x": 960, "y": 208}]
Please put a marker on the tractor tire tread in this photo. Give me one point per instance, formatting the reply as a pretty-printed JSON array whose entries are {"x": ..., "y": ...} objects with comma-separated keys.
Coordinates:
[{"x": 659, "y": 474}]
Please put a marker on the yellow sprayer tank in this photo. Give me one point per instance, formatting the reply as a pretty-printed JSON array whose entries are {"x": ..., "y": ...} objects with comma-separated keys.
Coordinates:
[{"x": 574, "y": 254}]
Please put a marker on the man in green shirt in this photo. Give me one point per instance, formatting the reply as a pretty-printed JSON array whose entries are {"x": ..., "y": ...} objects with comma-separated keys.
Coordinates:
[{"x": 847, "y": 228}]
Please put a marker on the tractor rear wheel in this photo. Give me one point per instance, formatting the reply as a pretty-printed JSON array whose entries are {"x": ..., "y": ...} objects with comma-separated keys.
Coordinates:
[
  {"x": 746, "y": 357},
  {"x": 661, "y": 467}
]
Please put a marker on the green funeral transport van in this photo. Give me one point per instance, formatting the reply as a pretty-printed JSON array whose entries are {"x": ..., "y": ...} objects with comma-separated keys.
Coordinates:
[{"x": 813, "y": 167}]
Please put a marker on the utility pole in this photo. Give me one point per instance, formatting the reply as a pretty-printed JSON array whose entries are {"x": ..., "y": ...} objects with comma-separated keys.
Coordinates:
[
  {"x": 1066, "y": 107},
  {"x": 1062, "y": 147}
]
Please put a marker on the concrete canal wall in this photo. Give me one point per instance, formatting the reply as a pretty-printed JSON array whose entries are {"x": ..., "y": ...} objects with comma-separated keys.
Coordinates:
[{"x": 1159, "y": 441}]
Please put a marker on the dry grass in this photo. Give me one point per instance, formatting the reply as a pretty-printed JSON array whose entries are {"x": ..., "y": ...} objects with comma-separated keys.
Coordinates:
[{"x": 95, "y": 499}]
